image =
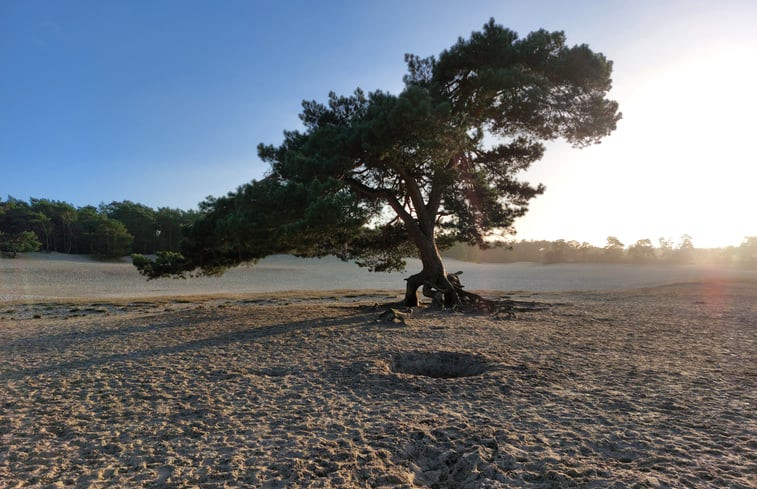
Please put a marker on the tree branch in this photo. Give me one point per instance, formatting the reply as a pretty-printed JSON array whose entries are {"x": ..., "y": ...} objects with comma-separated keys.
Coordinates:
[
  {"x": 382, "y": 194},
  {"x": 435, "y": 195},
  {"x": 416, "y": 197}
]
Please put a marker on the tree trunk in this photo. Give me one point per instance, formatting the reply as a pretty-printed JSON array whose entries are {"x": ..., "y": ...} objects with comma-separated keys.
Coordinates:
[
  {"x": 432, "y": 278},
  {"x": 411, "y": 291}
]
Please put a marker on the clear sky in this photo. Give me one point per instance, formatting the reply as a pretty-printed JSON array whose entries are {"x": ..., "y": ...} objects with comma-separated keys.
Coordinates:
[{"x": 164, "y": 102}]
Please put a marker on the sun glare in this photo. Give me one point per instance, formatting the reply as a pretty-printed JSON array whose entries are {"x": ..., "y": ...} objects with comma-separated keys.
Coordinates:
[
  {"x": 697, "y": 116},
  {"x": 681, "y": 160}
]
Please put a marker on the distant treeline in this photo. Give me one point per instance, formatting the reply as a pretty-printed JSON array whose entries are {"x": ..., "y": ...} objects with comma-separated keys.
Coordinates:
[
  {"x": 110, "y": 230},
  {"x": 121, "y": 228},
  {"x": 642, "y": 251}
]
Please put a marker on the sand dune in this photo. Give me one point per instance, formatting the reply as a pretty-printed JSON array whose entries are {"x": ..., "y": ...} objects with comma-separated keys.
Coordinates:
[{"x": 646, "y": 388}]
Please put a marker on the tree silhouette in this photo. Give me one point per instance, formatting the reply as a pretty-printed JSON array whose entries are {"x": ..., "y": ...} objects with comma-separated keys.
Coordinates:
[
  {"x": 379, "y": 177},
  {"x": 613, "y": 251},
  {"x": 685, "y": 251},
  {"x": 642, "y": 251},
  {"x": 748, "y": 250}
]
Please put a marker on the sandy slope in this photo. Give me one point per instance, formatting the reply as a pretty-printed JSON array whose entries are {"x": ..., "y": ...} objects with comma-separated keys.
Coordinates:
[{"x": 647, "y": 388}]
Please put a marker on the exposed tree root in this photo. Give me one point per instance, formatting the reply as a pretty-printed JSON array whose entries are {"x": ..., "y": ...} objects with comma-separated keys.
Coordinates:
[
  {"x": 476, "y": 303},
  {"x": 464, "y": 301},
  {"x": 459, "y": 300}
]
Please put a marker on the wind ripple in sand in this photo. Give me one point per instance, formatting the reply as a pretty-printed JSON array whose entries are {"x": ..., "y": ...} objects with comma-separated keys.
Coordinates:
[{"x": 651, "y": 388}]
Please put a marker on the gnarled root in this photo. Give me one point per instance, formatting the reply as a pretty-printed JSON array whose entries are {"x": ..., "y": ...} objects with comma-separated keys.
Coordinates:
[
  {"x": 444, "y": 294},
  {"x": 501, "y": 309},
  {"x": 468, "y": 301}
]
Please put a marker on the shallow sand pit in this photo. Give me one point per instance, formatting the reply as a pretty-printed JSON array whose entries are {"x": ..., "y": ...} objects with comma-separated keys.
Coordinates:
[{"x": 439, "y": 364}]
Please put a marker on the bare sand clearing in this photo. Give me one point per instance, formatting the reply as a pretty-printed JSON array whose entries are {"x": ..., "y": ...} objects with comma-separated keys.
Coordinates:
[{"x": 646, "y": 388}]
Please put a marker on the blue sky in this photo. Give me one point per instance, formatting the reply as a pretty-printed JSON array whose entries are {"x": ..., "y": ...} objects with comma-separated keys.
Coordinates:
[{"x": 164, "y": 102}]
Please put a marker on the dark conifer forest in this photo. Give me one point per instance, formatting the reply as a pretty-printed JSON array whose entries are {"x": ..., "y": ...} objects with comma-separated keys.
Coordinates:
[{"x": 107, "y": 231}]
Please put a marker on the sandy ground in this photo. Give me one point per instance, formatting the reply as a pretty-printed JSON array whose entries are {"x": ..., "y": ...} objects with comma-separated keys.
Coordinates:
[
  {"x": 45, "y": 276},
  {"x": 644, "y": 388}
]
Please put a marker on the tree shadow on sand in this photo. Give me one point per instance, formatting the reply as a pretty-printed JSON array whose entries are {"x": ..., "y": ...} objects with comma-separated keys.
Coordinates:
[{"x": 225, "y": 339}]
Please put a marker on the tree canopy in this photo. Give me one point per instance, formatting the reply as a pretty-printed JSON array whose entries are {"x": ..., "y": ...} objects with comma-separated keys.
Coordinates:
[{"x": 378, "y": 177}]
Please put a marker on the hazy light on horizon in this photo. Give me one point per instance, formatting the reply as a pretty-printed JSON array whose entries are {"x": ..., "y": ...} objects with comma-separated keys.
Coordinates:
[{"x": 682, "y": 159}]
